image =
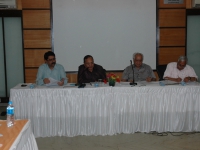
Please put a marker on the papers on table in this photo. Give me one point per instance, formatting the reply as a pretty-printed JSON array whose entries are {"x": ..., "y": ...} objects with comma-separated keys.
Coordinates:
[
  {"x": 70, "y": 85},
  {"x": 193, "y": 83},
  {"x": 53, "y": 82}
]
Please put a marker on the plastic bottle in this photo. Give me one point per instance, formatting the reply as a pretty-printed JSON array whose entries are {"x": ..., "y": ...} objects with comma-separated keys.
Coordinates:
[
  {"x": 32, "y": 86},
  {"x": 10, "y": 114}
]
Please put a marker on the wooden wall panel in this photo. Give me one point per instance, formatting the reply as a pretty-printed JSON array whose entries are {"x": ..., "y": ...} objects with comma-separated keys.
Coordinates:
[
  {"x": 36, "y": 19},
  {"x": 36, "y": 4},
  {"x": 172, "y": 18},
  {"x": 188, "y": 4},
  {"x": 170, "y": 54},
  {"x": 19, "y": 4},
  {"x": 30, "y": 75},
  {"x": 34, "y": 57},
  {"x": 37, "y": 39},
  {"x": 172, "y": 37},
  {"x": 162, "y": 5},
  {"x": 72, "y": 77}
]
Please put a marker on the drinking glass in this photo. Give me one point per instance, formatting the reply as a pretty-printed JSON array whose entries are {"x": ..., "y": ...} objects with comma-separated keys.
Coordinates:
[{"x": 100, "y": 82}]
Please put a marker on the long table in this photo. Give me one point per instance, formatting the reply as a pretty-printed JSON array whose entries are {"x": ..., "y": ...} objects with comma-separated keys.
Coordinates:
[
  {"x": 17, "y": 137},
  {"x": 70, "y": 111}
]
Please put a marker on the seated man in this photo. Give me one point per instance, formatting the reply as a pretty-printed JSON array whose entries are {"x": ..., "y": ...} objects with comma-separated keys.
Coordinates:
[
  {"x": 180, "y": 71},
  {"x": 50, "y": 70},
  {"x": 90, "y": 72},
  {"x": 142, "y": 72}
]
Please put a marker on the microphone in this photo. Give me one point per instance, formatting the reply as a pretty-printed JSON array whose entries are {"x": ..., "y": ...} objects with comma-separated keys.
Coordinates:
[
  {"x": 80, "y": 75},
  {"x": 133, "y": 83}
]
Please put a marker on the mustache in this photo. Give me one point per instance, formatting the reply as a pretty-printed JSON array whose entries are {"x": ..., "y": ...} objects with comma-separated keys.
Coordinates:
[{"x": 53, "y": 63}]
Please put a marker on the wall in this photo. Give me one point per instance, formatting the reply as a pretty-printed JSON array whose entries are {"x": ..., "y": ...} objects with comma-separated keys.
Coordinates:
[
  {"x": 37, "y": 33},
  {"x": 172, "y": 30}
]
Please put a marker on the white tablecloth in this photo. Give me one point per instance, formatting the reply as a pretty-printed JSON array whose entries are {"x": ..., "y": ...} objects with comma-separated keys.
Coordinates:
[
  {"x": 25, "y": 140},
  {"x": 17, "y": 137},
  {"x": 108, "y": 110}
]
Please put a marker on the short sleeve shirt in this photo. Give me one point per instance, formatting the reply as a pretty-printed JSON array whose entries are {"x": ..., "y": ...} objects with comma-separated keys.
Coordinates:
[
  {"x": 141, "y": 74},
  {"x": 173, "y": 72}
]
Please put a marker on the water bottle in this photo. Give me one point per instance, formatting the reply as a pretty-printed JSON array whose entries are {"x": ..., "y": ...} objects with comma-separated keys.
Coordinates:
[
  {"x": 32, "y": 86},
  {"x": 10, "y": 114}
]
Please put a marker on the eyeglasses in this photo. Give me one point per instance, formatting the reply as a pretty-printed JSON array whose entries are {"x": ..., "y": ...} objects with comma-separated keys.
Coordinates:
[
  {"x": 53, "y": 59},
  {"x": 138, "y": 60}
]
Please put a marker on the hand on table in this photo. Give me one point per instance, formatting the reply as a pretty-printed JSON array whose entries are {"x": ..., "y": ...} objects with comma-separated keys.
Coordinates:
[
  {"x": 178, "y": 79},
  {"x": 186, "y": 79},
  {"x": 46, "y": 80},
  {"x": 148, "y": 79},
  {"x": 61, "y": 82}
]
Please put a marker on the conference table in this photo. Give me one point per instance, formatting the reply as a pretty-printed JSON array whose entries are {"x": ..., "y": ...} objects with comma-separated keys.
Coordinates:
[
  {"x": 105, "y": 110},
  {"x": 17, "y": 137}
]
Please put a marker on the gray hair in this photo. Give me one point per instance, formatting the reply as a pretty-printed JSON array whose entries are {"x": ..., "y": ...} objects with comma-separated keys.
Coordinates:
[
  {"x": 137, "y": 53},
  {"x": 182, "y": 58}
]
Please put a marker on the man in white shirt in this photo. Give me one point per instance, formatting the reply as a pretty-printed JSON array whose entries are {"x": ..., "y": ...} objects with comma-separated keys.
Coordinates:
[{"x": 180, "y": 71}]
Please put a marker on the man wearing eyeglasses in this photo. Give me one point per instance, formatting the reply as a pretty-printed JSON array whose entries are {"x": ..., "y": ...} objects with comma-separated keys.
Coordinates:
[
  {"x": 180, "y": 71},
  {"x": 50, "y": 71},
  {"x": 142, "y": 71}
]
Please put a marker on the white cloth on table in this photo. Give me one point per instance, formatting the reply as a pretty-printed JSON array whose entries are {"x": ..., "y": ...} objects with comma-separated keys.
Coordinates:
[
  {"x": 25, "y": 139},
  {"x": 108, "y": 110}
]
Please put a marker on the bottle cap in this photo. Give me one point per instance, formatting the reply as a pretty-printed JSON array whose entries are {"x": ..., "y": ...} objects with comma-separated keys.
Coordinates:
[{"x": 10, "y": 102}]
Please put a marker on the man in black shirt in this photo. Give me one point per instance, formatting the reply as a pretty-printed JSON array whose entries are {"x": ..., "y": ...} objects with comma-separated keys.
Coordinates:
[{"x": 89, "y": 71}]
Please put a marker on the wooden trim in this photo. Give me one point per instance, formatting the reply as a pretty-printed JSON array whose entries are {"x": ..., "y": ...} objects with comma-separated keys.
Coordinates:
[
  {"x": 188, "y": 4},
  {"x": 172, "y": 37},
  {"x": 162, "y": 5},
  {"x": 36, "y": 4},
  {"x": 31, "y": 75},
  {"x": 34, "y": 58},
  {"x": 19, "y": 4},
  {"x": 36, "y": 19},
  {"x": 36, "y": 9},
  {"x": 172, "y": 18},
  {"x": 37, "y": 39},
  {"x": 170, "y": 54}
]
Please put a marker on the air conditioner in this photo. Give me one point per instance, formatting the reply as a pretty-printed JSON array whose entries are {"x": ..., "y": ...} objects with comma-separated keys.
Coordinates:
[
  {"x": 196, "y": 3},
  {"x": 8, "y": 4}
]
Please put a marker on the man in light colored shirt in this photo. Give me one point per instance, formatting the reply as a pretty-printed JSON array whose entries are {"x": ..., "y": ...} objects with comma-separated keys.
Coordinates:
[
  {"x": 142, "y": 72},
  {"x": 180, "y": 71},
  {"x": 50, "y": 70}
]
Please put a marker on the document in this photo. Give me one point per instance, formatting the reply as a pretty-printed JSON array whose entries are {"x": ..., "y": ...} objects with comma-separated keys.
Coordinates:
[{"x": 53, "y": 82}]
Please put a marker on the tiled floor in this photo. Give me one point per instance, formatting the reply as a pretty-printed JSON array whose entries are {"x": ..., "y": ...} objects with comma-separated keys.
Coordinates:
[{"x": 137, "y": 141}]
